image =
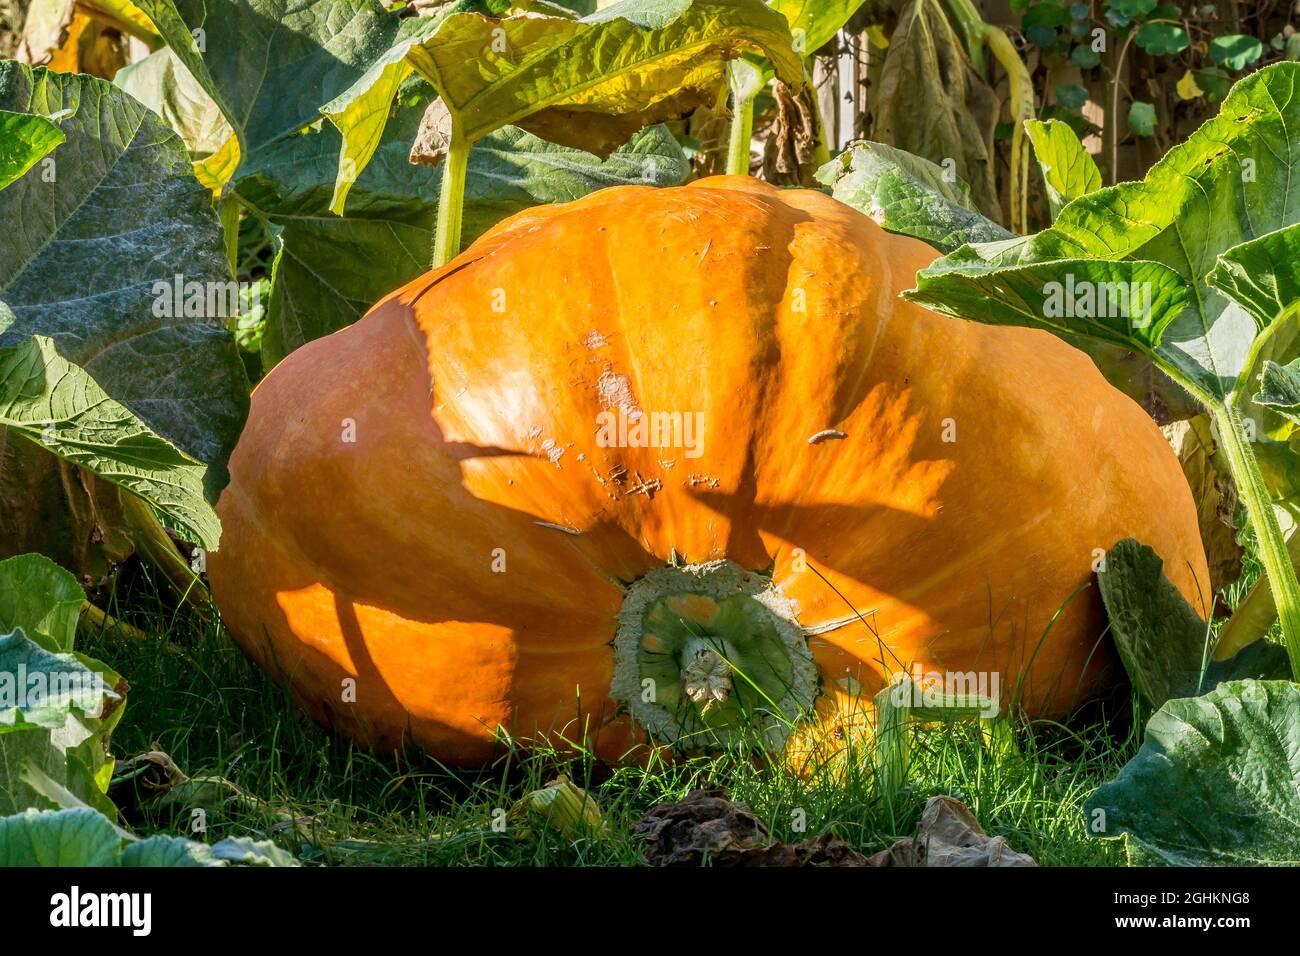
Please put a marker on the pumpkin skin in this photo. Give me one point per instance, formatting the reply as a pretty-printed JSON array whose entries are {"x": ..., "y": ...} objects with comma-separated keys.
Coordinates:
[{"x": 976, "y": 474}]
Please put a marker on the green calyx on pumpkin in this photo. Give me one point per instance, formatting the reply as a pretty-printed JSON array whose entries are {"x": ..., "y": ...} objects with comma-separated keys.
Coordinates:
[{"x": 707, "y": 655}]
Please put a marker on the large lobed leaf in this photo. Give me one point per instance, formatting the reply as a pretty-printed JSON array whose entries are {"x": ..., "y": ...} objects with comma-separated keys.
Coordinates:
[
  {"x": 162, "y": 82},
  {"x": 56, "y": 725},
  {"x": 908, "y": 195},
  {"x": 932, "y": 103},
  {"x": 814, "y": 23},
  {"x": 329, "y": 269},
  {"x": 57, "y": 707},
  {"x": 1162, "y": 641},
  {"x": 588, "y": 83},
  {"x": 1216, "y": 782},
  {"x": 41, "y": 598},
  {"x": 1232, "y": 182},
  {"x": 86, "y": 250},
  {"x": 267, "y": 64},
  {"x": 58, "y": 406},
  {"x": 81, "y": 837}
]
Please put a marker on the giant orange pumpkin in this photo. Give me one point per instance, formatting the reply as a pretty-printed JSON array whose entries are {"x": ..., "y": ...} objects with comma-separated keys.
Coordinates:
[{"x": 667, "y": 464}]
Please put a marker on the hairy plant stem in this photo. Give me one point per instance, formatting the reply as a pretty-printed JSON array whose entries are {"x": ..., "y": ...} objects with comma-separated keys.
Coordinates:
[
  {"x": 742, "y": 132},
  {"x": 451, "y": 199},
  {"x": 1259, "y": 507}
]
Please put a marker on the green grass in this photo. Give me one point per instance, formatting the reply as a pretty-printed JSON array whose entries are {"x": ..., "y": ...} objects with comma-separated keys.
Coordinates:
[{"x": 195, "y": 696}]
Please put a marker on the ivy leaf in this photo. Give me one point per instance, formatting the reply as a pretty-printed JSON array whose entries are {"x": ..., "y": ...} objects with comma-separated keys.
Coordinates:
[
  {"x": 1162, "y": 39},
  {"x": 1187, "y": 88},
  {"x": 1216, "y": 782},
  {"x": 1215, "y": 82},
  {"x": 1235, "y": 51},
  {"x": 1068, "y": 171},
  {"x": 24, "y": 140},
  {"x": 580, "y": 83},
  {"x": 908, "y": 195},
  {"x": 1085, "y": 57},
  {"x": 1142, "y": 118},
  {"x": 1072, "y": 96},
  {"x": 1132, "y": 9}
]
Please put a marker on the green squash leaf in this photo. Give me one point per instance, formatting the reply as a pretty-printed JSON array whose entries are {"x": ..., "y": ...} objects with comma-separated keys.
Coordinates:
[
  {"x": 1162, "y": 640},
  {"x": 1228, "y": 184},
  {"x": 24, "y": 140},
  {"x": 55, "y": 404},
  {"x": 589, "y": 83},
  {"x": 1216, "y": 782},
  {"x": 1068, "y": 171},
  {"x": 269, "y": 64},
  {"x": 908, "y": 195},
  {"x": 41, "y": 598},
  {"x": 59, "y": 838},
  {"x": 86, "y": 253},
  {"x": 1262, "y": 275},
  {"x": 1279, "y": 388},
  {"x": 1128, "y": 303},
  {"x": 82, "y": 837},
  {"x": 57, "y": 711},
  {"x": 1262, "y": 660}
]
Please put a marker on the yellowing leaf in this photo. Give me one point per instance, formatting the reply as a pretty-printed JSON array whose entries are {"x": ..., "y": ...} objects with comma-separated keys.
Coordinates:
[
  {"x": 126, "y": 16},
  {"x": 589, "y": 84},
  {"x": 562, "y": 807},
  {"x": 1187, "y": 88},
  {"x": 218, "y": 169},
  {"x": 813, "y": 23}
]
